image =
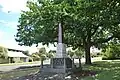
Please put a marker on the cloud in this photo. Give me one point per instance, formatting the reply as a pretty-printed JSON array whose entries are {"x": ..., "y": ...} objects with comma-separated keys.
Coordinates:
[
  {"x": 14, "y": 6},
  {"x": 11, "y": 24},
  {"x": 1, "y": 34}
]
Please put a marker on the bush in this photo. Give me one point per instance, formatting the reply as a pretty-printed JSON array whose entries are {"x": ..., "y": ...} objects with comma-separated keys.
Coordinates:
[
  {"x": 30, "y": 59},
  {"x": 112, "y": 52},
  {"x": 95, "y": 55},
  {"x": 35, "y": 57}
]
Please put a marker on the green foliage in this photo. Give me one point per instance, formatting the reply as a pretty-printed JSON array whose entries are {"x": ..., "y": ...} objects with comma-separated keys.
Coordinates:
[
  {"x": 35, "y": 57},
  {"x": 96, "y": 54},
  {"x": 79, "y": 52},
  {"x": 112, "y": 51},
  {"x": 41, "y": 55},
  {"x": 76, "y": 53},
  {"x": 26, "y": 53},
  {"x": 3, "y": 52},
  {"x": 52, "y": 51},
  {"x": 85, "y": 23},
  {"x": 71, "y": 53},
  {"x": 50, "y": 55}
]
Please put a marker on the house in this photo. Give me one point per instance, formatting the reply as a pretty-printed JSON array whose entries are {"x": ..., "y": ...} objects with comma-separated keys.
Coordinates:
[{"x": 15, "y": 57}]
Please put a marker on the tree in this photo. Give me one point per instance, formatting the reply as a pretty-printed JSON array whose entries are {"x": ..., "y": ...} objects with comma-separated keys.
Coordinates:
[
  {"x": 85, "y": 23},
  {"x": 42, "y": 53},
  {"x": 112, "y": 51},
  {"x": 3, "y": 52},
  {"x": 71, "y": 54},
  {"x": 51, "y": 54},
  {"x": 79, "y": 52},
  {"x": 35, "y": 57},
  {"x": 26, "y": 53}
]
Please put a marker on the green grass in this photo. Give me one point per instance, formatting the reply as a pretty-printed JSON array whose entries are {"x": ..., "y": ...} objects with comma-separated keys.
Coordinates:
[
  {"x": 18, "y": 73},
  {"x": 107, "y": 70}
]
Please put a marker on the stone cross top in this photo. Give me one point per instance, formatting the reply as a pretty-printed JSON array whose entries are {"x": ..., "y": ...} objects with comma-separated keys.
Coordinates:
[{"x": 61, "y": 47}]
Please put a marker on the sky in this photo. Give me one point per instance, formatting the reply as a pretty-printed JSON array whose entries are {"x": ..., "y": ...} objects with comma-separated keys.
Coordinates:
[{"x": 9, "y": 14}]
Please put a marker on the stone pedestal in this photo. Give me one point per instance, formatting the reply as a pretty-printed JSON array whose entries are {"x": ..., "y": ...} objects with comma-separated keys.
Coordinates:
[
  {"x": 61, "y": 63},
  {"x": 58, "y": 65}
]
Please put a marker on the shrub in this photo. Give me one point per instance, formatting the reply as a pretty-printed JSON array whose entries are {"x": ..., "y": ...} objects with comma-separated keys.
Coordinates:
[{"x": 112, "y": 52}]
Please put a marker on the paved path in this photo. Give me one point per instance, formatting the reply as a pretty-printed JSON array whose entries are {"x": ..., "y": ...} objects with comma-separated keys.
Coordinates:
[{"x": 11, "y": 67}]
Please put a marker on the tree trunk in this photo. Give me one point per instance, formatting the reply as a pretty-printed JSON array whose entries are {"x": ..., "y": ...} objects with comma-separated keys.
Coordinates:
[
  {"x": 41, "y": 63},
  {"x": 73, "y": 63},
  {"x": 80, "y": 66},
  {"x": 87, "y": 53}
]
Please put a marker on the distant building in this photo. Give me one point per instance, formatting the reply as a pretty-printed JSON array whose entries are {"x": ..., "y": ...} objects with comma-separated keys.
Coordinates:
[
  {"x": 15, "y": 50},
  {"x": 15, "y": 57}
]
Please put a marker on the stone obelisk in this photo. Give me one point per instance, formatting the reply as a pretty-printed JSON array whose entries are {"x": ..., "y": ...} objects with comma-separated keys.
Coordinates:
[
  {"x": 61, "y": 47},
  {"x": 60, "y": 63}
]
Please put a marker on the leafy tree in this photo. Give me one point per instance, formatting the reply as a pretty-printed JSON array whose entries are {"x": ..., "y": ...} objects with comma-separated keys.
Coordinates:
[
  {"x": 85, "y": 23},
  {"x": 35, "y": 57},
  {"x": 71, "y": 54},
  {"x": 51, "y": 54},
  {"x": 52, "y": 51},
  {"x": 79, "y": 52},
  {"x": 112, "y": 51},
  {"x": 42, "y": 54},
  {"x": 26, "y": 53},
  {"x": 3, "y": 52}
]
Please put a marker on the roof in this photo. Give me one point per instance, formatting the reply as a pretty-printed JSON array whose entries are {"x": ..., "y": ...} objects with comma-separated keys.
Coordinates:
[
  {"x": 17, "y": 50},
  {"x": 16, "y": 54}
]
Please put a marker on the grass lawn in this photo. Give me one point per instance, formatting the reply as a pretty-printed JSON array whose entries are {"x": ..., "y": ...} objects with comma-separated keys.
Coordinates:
[
  {"x": 106, "y": 70},
  {"x": 18, "y": 73}
]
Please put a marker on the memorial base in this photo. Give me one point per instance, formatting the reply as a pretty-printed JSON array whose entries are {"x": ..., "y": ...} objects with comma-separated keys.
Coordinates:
[{"x": 59, "y": 65}]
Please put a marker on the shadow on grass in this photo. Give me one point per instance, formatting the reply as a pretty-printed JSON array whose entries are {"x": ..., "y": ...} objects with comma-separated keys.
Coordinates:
[{"x": 109, "y": 70}]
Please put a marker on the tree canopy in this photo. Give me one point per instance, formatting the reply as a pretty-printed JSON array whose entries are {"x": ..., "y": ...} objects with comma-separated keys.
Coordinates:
[{"x": 85, "y": 23}]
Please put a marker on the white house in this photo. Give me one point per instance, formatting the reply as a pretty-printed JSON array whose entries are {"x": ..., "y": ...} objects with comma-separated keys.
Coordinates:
[{"x": 17, "y": 57}]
